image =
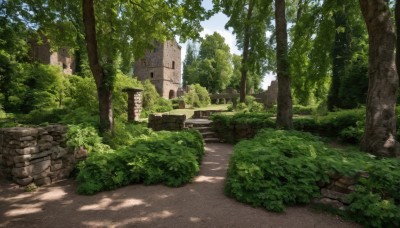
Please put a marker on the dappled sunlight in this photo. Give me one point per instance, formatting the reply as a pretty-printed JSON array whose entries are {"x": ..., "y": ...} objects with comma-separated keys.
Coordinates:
[
  {"x": 151, "y": 217},
  {"x": 195, "y": 219},
  {"x": 101, "y": 205},
  {"x": 106, "y": 204},
  {"x": 55, "y": 194},
  {"x": 24, "y": 209},
  {"x": 127, "y": 203},
  {"x": 209, "y": 179}
]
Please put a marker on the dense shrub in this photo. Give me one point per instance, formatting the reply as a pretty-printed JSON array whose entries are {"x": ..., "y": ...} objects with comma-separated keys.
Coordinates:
[
  {"x": 279, "y": 168},
  {"x": 152, "y": 102},
  {"x": 171, "y": 158},
  {"x": 86, "y": 137},
  {"x": 197, "y": 96},
  {"x": 303, "y": 110},
  {"x": 125, "y": 134},
  {"x": 228, "y": 127}
]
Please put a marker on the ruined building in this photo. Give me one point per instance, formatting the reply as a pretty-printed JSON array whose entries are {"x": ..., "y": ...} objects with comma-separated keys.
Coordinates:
[
  {"x": 42, "y": 53},
  {"x": 162, "y": 66}
]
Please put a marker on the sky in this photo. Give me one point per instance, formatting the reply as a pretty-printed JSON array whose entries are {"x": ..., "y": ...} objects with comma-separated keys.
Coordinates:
[{"x": 217, "y": 24}]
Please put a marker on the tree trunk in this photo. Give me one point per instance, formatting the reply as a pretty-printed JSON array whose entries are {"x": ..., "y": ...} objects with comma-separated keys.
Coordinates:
[
  {"x": 246, "y": 45},
  {"x": 380, "y": 128},
  {"x": 339, "y": 54},
  {"x": 284, "y": 115},
  {"x": 397, "y": 16},
  {"x": 104, "y": 91}
]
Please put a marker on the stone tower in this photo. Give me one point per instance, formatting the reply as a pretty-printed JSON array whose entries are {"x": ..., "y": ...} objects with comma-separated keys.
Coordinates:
[
  {"x": 162, "y": 66},
  {"x": 42, "y": 53}
]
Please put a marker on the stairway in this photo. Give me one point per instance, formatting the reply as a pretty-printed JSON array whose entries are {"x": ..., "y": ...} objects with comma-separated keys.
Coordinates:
[{"x": 205, "y": 128}]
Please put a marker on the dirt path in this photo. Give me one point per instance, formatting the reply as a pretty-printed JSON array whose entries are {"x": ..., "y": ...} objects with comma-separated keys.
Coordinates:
[{"x": 200, "y": 204}]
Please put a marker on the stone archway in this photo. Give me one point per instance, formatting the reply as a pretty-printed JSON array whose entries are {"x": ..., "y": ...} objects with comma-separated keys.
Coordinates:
[{"x": 171, "y": 94}]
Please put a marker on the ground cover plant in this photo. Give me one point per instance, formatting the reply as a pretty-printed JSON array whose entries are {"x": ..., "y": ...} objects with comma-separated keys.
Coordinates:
[
  {"x": 170, "y": 158},
  {"x": 279, "y": 168}
]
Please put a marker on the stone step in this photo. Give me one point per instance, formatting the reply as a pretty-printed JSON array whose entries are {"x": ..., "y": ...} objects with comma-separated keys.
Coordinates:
[
  {"x": 203, "y": 129},
  {"x": 209, "y": 134},
  {"x": 199, "y": 125},
  {"x": 212, "y": 140}
]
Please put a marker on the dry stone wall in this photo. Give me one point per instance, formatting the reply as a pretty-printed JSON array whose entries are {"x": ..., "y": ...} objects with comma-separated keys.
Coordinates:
[
  {"x": 36, "y": 155},
  {"x": 159, "y": 122},
  {"x": 335, "y": 193}
]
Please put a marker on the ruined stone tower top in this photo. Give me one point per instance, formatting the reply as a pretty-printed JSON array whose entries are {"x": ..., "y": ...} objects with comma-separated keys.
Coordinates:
[{"x": 162, "y": 66}]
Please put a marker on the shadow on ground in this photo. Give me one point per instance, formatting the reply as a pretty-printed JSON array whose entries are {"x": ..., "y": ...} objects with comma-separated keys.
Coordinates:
[{"x": 199, "y": 204}]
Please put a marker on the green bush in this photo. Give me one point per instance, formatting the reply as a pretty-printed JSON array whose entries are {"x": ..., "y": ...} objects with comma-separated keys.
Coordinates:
[
  {"x": 86, "y": 137},
  {"x": 152, "y": 102},
  {"x": 279, "y": 168},
  {"x": 303, "y": 110},
  {"x": 228, "y": 127},
  {"x": 171, "y": 158},
  {"x": 125, "y": 134},
  {"x": 197, "y": 96}
]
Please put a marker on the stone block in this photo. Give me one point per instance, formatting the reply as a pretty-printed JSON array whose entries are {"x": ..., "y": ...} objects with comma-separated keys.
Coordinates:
[
  {"x": 27, "y": 150},
  {"x": 41, "y": 154},
  {"x": 44, "y": 146},
  {"x": 22, "y": 158},
  {"x": 23, "y": 181},
  {"x": 20, "y": 131},
  {"x": 329, "y": 202},
  {"x": 39, "y": 167},
  {"x": 58, "y": 152},
  {"x": 43, "y": 181},
  {"x": 39, "y": 160},
  {"x": 334, "y": 195},
  {"x": 27, "y": 138},
  {"x": 22, "y": 164},
  {"x": 43, "y": 174},
  {"x": 347, "y": 181},
  {"x": 56, "y": 167},
  {"x": 45, "y": 138},
  {"x": 21, "y": 172}
]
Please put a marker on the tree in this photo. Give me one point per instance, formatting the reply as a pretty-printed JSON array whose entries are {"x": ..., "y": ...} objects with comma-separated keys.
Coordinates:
[
  {"x": 190, "y": 58},
  {"x": 249, "y": 20},
  {"x": 380, "y": 128},
  {"x": 284, "y": 114},
  {"x": 111, "y": 29},
  {"x": 212, "y": 68}
]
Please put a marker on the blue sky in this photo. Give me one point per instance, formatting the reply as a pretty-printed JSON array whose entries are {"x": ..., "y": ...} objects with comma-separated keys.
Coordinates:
[{"x": 217, "y": 24}]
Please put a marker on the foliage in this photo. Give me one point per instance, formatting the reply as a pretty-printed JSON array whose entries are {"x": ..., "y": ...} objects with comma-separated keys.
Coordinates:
[
  {"x": 86, "y": 137},
  {"x": 171, "y": 158},
  {"x": 250, "y": 29},
  {"x": 197, "y": 96},
  {"x": 152, "y": 101},
  {"x": 125, "y": 134},
  {"x": 34, "y": 86},
  {"x": 226, "y": 126},
  {"x": 279, "y": 168},
  {"x": 212, "y": 67},
  {"x": 303, "y": 110}
]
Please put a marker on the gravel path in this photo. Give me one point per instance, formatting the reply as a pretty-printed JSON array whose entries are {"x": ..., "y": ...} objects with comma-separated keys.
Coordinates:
[{"x": 199, "y": 204}]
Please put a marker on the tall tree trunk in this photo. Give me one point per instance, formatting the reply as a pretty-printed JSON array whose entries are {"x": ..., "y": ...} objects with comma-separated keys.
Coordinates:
[
  {"x": 339, "y": 54},
  {"x": 104, "y": 91},
  {"x": 397, "y": 17},
  {"x": 380, "y": 128},
  {"x": 246, "y": 45},
  {"x": 284, "y": 115}
]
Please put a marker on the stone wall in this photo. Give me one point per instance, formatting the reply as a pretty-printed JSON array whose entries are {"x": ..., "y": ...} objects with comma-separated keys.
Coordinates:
[
  {"x": 335, "y": 193},
  {"x": 36, "y": 155},
  {"x": 159, "y": 122}
]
